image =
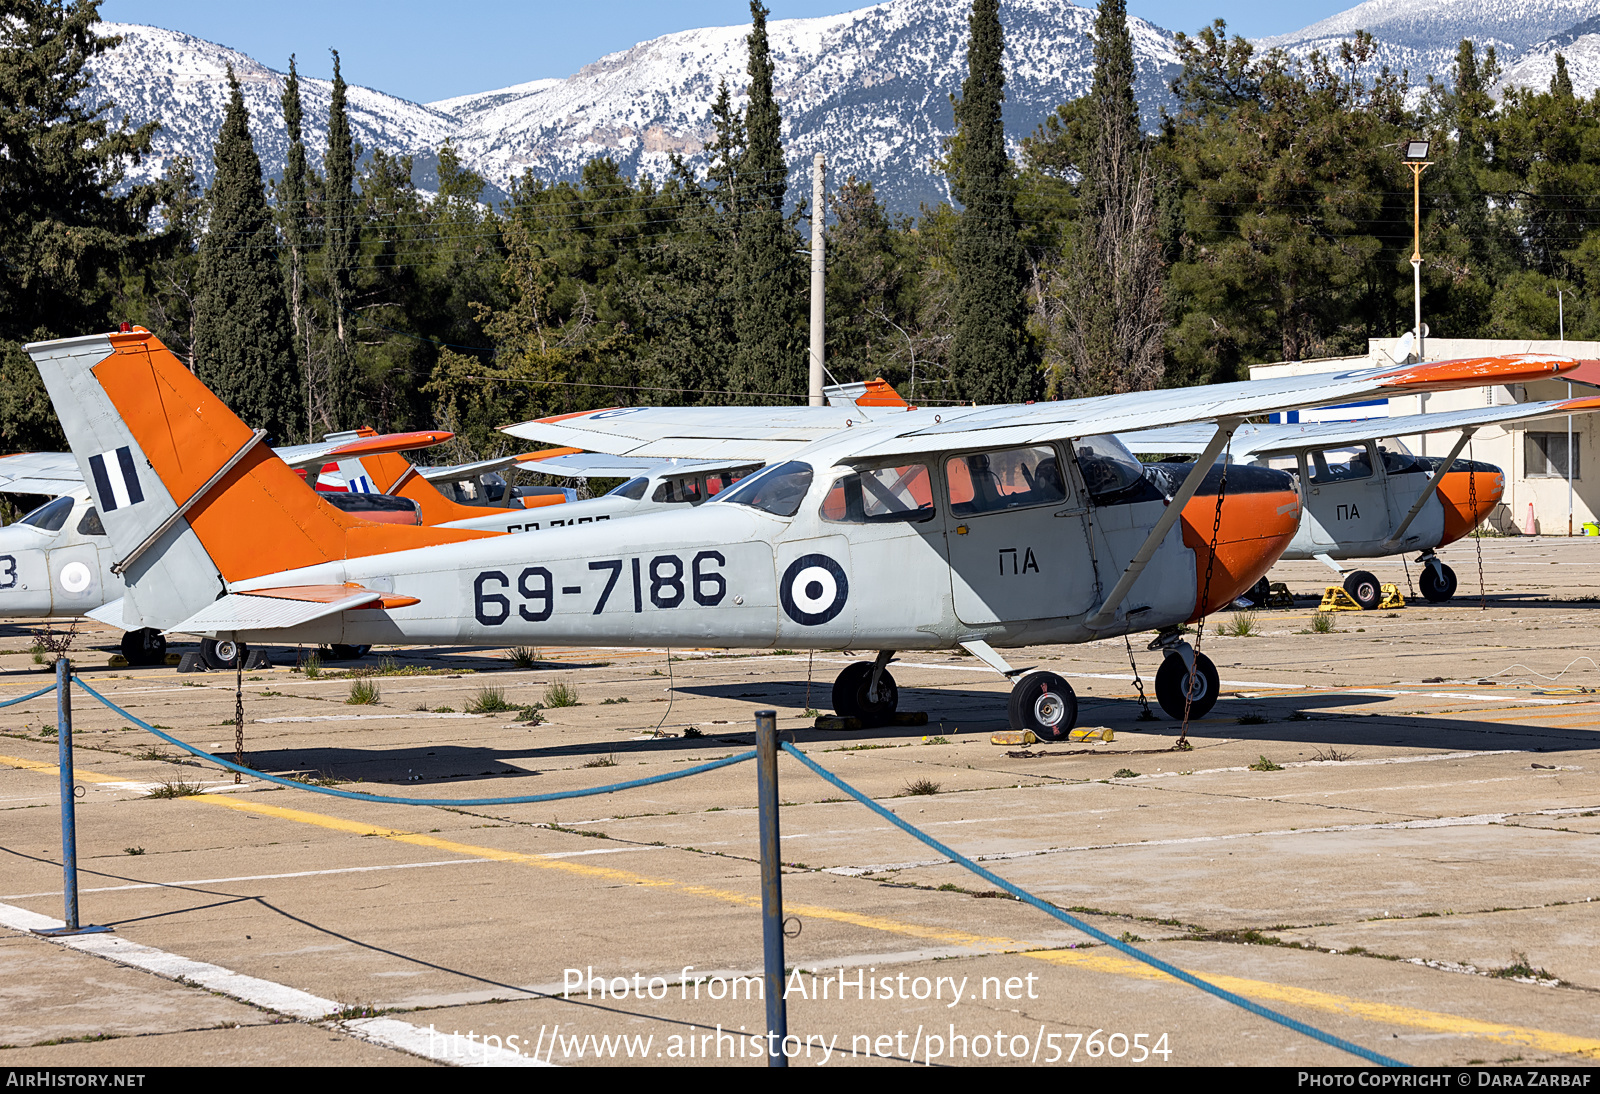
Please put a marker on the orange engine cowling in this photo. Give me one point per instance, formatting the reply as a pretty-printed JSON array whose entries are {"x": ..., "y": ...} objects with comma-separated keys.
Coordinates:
[
  {"x": 1260, "y": 515},
  {"x": 1469, "y": 491}
]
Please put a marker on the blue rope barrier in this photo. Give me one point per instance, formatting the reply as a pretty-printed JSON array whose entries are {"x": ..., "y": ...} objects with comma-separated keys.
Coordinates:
[
  {"x": 1091, "y": 931},
  {"x": 525, "y": 799},
  {"x": 30, "y": 695}
]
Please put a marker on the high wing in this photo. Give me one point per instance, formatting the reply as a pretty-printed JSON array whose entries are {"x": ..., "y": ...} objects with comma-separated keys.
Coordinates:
[
  {"x": 770, "y": 433},
  {"x": 598, "y": 465},
  {"x": 353, "y": 446},
  {"x": 1251, "y": 441},
  {"x": 452, "y": 472},
  {"x": 51, "y": 473}
]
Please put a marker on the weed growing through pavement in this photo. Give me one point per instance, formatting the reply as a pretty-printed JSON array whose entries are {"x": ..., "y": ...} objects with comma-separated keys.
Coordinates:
[
  {"x": 489, "y": 701},
  {"x": 1331, "y": 753},
  {"x": 1264, "y": 764},
  {"x": 522, "y": 657},
  {"x": 1242, "y": 625},
  {"x": 922, "y": 786},
  {"x": 1253, "y": 719},
  {"x": 363, "y": 692},
  {"x": 133, "y": 850},
  {"x": 312, "y": 665},
  {"x": 559, "y": 693},
  {"x": 176, "y": 788},
  {"x": 1126, "y": 773},
  {"x": 602, "y": 761}
]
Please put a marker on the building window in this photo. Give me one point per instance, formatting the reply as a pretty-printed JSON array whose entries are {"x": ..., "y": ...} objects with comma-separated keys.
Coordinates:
[{"x": 1546, "y": 456}]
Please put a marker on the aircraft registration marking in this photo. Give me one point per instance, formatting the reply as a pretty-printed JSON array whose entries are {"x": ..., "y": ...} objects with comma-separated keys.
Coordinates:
[{"x": 670, "y": 583}]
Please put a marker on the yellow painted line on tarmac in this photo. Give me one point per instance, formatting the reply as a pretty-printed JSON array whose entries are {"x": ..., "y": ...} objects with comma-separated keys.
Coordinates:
[{"x": 1098, "y": 961}]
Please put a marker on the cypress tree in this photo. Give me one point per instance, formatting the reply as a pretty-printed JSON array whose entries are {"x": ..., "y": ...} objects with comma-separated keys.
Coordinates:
[
  {"x": 769, "y": 358},
  {"x": 244, "y": 348},
  {"x": 989, "y": 358},
  {"x": 342, "y": 399},
  {"x": 291, "y": 221},
  {"x": 1113, "y": 321}
]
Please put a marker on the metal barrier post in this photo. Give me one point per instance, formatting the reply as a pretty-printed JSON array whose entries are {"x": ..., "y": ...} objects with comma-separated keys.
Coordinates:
[
  {"x": 771, "y": 885},
  {"x": 69, "y": 816}
]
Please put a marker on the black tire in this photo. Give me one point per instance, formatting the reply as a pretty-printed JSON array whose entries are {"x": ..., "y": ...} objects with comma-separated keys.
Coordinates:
[
  {"x": 1436, "y": 588},
  {"x": 211, "y": 651},
  {"x": 1256, "y": 595},
  {"x": 850, "y": 693},
  {"x": 347, "y": 653},
  {"x": 1044, "y": 703},
  {"x": 1364, "y": 589},
  {"x": 147, "y": 646},
  {"x": 1172, "y": 678}
]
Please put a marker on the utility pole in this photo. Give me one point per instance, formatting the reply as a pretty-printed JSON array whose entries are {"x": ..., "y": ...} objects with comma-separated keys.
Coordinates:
[
  {"x": 1417, "y": 160},
  {"x": 819, "y": 209}
]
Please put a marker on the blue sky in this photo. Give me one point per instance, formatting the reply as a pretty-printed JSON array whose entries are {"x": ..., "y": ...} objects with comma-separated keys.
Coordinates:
[{"x": 428, "y": 51}]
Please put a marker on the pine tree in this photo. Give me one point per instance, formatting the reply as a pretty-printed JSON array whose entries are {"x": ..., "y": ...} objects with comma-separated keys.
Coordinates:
[
  {"x": 66, "y": 215},
  {"x": 342, "y": 399},
  {"x": 244, "y": 347},
  {"x": 1111, "y": 326},
  {"x": 292, "y": 224},
  {"x": 989, "y": 359},
  {"x": 769, "y": 359}
]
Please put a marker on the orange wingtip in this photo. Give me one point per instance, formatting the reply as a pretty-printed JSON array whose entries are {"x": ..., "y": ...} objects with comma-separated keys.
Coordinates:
[
  {"x": 392, "y": 442},
  {"x": 548, "y": 453},
  {"x": 539, "y": 501},
  {"x": 329, "y": 594},
  {"x": 1571, "y": 406},
  {"x": 879, "y": 392},
  {"x": 1478, "y": 371}
]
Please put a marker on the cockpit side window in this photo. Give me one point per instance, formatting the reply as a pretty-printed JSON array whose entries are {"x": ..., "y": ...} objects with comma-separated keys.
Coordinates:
[
  {"x": 987, "y": 482},
  {"x": 881, "y": 495},
  {"x": 51, "y": 516},
  {"x": 677, "y": 491},
  {"x": 633, "y": 489},
  {"x": 1339, "y": 464}
]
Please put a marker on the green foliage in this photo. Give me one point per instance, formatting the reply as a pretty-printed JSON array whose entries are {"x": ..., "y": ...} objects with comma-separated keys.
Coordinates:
[
  {"x": 1264, "y": 764},
  {"x": 363, "y": 692},
  {"x": 489, "y": 701},
  {"x": 990, "y": 357},
  {"x": 559, "y": 693},
  {"x": 243, "y": 342}
]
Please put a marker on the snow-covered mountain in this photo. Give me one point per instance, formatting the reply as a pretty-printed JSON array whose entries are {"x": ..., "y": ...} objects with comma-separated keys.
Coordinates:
[
  {"x": 1420, "y": 37},
  {"x": 182, "y": 82},
  {"x": 869, "y": 88}
]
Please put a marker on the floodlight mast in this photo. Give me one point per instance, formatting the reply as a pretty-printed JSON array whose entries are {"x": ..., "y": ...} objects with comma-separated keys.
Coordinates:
[{"x": 1416, "y": 155}]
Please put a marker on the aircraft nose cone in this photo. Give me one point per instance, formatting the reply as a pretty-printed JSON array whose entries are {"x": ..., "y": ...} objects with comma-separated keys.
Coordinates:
[{"x": 1259, "y": 515}]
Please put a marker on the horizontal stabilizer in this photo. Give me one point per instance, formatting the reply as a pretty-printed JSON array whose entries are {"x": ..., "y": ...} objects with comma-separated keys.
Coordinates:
[
  {"x": 289, "y": 606},
  {"x": 109, "y": 614}
]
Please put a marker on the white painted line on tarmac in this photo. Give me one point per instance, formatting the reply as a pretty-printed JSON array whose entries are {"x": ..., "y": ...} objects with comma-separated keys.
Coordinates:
[
  {"x": 279, "y": 998},
  {"x": 249, "y": 877},
  {"x": 362, "y": 717}
]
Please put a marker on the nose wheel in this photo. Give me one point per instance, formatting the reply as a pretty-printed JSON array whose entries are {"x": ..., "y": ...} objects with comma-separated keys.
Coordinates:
[
  {"x": 1175, "y": 685},
  {"x": 854, "y": 695},
  {"x": 1364, "y": 589},
  {"x": 1045, "y": 704},
  {"x": 146, "y": 646},
  {"x": 1437, "y": 581}
]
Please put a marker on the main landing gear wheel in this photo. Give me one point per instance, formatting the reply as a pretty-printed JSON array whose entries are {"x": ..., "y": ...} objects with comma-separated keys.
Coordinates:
[
  {"x": 1364, "y": 589},
  {"x": 1044, "y": 703},
  {"x": 347, "y": 653},
  {"x": 146, "y": 646},
  {"x": 851, "y": 698},
  {"x": 221, "y": 655},
  {"x": 1172, "y": 678},
  {"x": 1437, "y": 587}
]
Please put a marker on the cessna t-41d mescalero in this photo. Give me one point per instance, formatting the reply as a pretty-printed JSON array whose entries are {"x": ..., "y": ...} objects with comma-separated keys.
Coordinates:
[
  {"x": 1364, "y": 495},
  {"x": 978, "y": 527}
]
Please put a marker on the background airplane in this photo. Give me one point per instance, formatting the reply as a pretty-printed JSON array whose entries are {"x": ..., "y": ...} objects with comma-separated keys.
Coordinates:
[
  {"x": 1364, "y": 495},
  {"x": 978, "y": 527}
]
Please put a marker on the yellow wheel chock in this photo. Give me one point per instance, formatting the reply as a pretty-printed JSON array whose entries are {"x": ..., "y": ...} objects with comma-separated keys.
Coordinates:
[{"x": 1335, "y": 599}]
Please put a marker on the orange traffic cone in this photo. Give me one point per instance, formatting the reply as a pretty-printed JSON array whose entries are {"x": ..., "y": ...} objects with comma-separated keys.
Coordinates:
[{"x": 1529, "y": 528}]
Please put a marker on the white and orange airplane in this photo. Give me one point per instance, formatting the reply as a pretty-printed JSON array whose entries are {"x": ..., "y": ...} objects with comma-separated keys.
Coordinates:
[{"x": 983, "y": 528}]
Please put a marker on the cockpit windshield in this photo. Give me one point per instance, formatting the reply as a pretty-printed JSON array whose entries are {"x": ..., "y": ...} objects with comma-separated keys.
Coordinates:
[
  {"x": 778, "y": 490},
  {"x": 1108, "y": 468},
  {"x": 51, "y": 516}
]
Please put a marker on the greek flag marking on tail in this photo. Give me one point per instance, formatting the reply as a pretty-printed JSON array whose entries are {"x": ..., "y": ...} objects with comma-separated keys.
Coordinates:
[{"x": 116, "y": 480}]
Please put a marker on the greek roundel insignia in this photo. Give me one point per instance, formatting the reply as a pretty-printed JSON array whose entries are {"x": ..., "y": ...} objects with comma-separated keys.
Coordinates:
[{"x": 813, "y": 590}]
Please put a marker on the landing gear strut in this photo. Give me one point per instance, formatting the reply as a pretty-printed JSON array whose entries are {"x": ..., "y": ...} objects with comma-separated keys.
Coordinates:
[
  {"x": 1437, "y": 581},
  {"x": 866, "y": 690}
]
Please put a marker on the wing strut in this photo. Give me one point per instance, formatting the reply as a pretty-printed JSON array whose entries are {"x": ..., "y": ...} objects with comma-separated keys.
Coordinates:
[
  {"x": 1202, "y": 465},
  {"x": 256, "y": 438},
  {"x": 1393, "y": 542}
]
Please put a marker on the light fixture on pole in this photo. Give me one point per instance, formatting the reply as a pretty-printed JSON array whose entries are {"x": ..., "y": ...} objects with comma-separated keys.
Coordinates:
[{"x": 1416, "y": 157}]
